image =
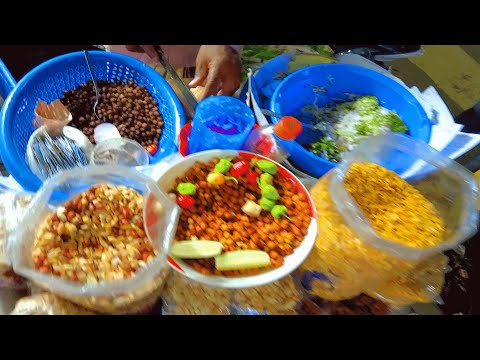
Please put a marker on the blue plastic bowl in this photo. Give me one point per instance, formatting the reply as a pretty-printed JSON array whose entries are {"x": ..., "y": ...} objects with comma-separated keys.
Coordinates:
[
  {"x": 49, "y": 80},
  {"x": 340, "y": 82}
]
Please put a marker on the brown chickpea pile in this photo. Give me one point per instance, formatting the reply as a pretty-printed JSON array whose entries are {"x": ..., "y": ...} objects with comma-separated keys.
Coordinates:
[
  {"x": 128, "y": 106},
  {"x": 217, "y": 215}
]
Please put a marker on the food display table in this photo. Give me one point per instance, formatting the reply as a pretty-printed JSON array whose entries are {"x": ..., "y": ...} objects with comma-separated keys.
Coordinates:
[{"x": 458, "y": 292}]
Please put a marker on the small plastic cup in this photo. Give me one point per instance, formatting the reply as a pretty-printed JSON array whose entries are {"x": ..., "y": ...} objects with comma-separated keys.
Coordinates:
[
  {"x": 123, "y": 152},
  {"x": 220, "y": 122}
]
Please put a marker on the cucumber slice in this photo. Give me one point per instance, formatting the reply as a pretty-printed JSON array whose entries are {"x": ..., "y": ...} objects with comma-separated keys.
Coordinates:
[
  {"x": 196, "y": 249},
  {"x": 242, "y": 259}
]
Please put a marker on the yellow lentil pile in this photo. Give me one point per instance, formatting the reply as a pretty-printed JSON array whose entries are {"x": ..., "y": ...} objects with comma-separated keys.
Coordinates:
[
  {"x": 97, "y": 236},
  {"x": 396, "y": 210},
  {"x": 351, "y": 265}
]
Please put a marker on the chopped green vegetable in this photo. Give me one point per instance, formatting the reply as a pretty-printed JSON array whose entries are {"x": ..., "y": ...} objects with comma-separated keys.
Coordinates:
[
  {"x": 266, "y": 204},
  {"x": 393, "y": 121},
  {"x": 366, "y": 104},
  {"x": 266, "y": 178},
  {"x": 278, "y": 211},
  {"x": 269, "y": 192},
  {"x": 327, "y": 149},
  {"x": 223, "y": 166},
  {"x": 267, "y": 166},
  {"x": 186, "y": 189},
  {"x": 343, "y": 126},
  {"x": 370, "y": 126}
]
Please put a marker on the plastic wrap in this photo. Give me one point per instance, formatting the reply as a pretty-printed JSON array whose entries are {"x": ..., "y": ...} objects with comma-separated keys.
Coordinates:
[
  {"x": 129, "y": 295},
  {"x": 350, "y": 258},
  {"x": 182, "y": 296},
  {"x": 278, "y": 298},
  {"x": 12, "y": 207},
  {"x": 186, "y": 297},
  {"x": 47, "y": 304},
  {"x": 422, "y": 285}
]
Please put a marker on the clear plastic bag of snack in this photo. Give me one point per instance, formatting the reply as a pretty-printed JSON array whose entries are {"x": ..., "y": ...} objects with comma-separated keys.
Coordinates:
[
  {"x": 278, "y": 298},
  {"x": 105, "y": 247},
  {"x": 47, "y": 304},
  {"x": 421, "y": 285},
  {"x": 12, "y": 207},
  {"x": 435, "y": 212},
  {"x": 182, "y": 296}
]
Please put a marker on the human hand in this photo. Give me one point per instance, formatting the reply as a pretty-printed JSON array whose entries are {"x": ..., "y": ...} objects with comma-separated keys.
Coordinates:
[{"x": 219, "y": 68}]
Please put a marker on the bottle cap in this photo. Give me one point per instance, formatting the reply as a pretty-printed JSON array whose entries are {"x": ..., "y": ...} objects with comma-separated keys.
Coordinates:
[{"x": 288, "y": 128}]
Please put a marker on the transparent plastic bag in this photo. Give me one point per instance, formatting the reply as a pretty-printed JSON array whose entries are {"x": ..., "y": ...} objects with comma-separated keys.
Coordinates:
[
  {"x": 349, "y": 257},
  {"x": 278, "y": 298},
  {"x": 129, "y": 295},
  {"x": 182, "y": 296},
  {"x": 186, "y": 297},
  {"x": 423, "y": 284},
  {"x": 12, "y": 207},
  {"x": 47, "y": 304}
]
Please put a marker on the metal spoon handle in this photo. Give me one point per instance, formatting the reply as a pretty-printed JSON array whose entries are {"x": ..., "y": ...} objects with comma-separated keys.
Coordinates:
[{"x": 87, "y": 59}]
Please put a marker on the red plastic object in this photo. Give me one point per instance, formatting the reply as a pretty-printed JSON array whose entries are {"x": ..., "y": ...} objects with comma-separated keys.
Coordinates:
[
  {"x": 183, "y": 138},
  {"x": 288, "y": 128}
]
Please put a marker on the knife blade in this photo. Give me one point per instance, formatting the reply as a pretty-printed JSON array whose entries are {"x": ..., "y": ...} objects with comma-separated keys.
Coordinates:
[{"x": 184, "y": 89}]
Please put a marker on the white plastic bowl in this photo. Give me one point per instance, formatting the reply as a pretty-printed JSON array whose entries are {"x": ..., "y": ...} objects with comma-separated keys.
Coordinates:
[{"x": 177, "y": 169}]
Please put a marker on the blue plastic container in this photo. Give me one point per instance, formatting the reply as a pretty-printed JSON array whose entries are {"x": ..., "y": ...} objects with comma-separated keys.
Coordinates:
[
  {"x": 49, "y": 80},
  {"x": 220, "y": 122},
  {"x": 340, "y": 81}
]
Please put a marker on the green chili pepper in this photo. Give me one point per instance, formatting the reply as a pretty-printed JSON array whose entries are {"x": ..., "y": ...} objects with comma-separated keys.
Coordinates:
[
  {"x": 186, "y": 189},
  {"x": 266, "y": 179},
  {"x": 267, "y": 166},
  {"x": 266, "y": 204},
  {"x": 269, "y": 192},
  {"x": 223, "y": 166},
  {"x": 278, "y": 211}
]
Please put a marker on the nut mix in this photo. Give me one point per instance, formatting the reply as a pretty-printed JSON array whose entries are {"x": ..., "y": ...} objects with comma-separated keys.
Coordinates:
[
  {"x": 97, "y": 236},
  {"x": 352, "y": 266},
  {"x": 128, "y": 106},
  {"x": 226, "y": 203}
]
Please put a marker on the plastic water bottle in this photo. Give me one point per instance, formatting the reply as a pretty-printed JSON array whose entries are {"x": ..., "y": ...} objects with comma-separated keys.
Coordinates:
[{"x": 265, "y": 140}]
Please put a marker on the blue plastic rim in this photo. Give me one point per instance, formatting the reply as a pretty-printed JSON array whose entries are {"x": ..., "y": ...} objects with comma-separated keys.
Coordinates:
[
  {"x": 340, "y": 82},
  {"x": 226, "y": 109},
  {"x": 49, "y": 80}
]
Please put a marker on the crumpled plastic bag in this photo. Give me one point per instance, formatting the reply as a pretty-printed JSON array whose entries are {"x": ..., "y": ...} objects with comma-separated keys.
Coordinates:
[
  {"x": 182, "y": 296},
  {"x": 421, "y": 285},
  {"x": 47, "y": 304},
  {"x": 12, "y": 207}
]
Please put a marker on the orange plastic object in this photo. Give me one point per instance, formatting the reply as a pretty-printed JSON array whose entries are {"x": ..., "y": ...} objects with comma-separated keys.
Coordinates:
[{"x": 288, "y": 128}]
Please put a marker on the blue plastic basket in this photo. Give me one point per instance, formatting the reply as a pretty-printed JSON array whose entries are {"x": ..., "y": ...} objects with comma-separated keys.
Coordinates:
[
  {"x": 339, "y": 81},
  {"x": 49, "y": 80}
]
